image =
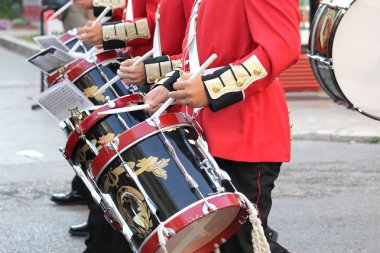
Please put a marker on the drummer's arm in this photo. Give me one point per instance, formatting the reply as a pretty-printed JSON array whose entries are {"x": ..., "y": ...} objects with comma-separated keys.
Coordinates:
[
  {"x": 135, "y": 32},
  {"x": 99, "y": 5},
  {"x": 278, "y": 47},
  {"x": 148, "y": 72}
]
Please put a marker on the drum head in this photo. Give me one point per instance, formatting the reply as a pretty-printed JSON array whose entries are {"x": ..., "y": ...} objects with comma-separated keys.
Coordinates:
[{"x": 356, "y": 56}]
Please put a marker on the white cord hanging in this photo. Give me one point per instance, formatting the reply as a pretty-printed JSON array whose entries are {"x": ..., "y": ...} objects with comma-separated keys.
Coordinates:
[
  {"x": 259, "y": 241},
  {"x": 162, "y": 238}
]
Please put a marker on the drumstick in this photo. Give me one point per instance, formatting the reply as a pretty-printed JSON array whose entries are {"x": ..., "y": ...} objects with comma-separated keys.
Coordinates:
[
  {"x": 126, "y": 109},
  {"x": 194, "y": 75},
  {"x": 117, "y": 78},
  {"x": 61, "y": 10},
  {"x": 98, "y": 19}
]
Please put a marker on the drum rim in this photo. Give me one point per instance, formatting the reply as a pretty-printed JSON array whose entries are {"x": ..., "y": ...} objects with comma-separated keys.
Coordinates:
[
  {"x": 94, "y": 118},
  {"x": 73, "y": 77},
  {"x": 342, "y": 88},
  {"x": 66, "y": 38},
  {"x": 342, "y": 99},
  {"x": 137, "y": 133},
  {"x": 151, "y": 243},
  {"x": 82, "y": 66}
]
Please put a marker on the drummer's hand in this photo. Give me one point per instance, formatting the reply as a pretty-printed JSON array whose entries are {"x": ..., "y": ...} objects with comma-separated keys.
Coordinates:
[
  {"x": 155, "y": 97},
  {"x": 90, "y": 34},
  {"x": 189, "y": 92},
  {"x": 132, "y": 74},
  {"x": 85, "y": 4}
]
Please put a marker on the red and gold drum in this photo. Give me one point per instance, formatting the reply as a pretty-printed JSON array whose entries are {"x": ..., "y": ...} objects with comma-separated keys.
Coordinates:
[
  {"x": 156, "y": 173},
  {"x": 92, "y": 73},
  {"x": 69, "y": 39},
  {"x": 86, "y": 141}
]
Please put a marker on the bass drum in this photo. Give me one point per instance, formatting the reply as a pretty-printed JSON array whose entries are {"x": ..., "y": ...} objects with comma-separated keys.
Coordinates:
[{"x": 344, "y": 52}]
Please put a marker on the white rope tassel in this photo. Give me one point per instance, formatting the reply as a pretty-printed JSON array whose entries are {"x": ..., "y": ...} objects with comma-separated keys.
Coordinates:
[
  {"x": 162, "y": 239},
  {"x": 259, "y": 241},
  {"x": 217, "y": 249}
]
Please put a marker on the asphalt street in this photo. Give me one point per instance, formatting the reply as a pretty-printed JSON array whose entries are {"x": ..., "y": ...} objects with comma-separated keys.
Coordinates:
[{"x": 325, "y": 200}]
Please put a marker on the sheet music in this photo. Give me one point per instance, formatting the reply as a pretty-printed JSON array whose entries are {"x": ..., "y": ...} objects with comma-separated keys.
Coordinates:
[
  {"x": 62, "y": 99},
  {"x": 51, "y": 59},
  {"x": 49, "y": 40}
]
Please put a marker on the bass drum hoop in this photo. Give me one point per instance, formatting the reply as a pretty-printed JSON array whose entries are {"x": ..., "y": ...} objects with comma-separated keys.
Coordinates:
[{"x": 341, "y": 99}]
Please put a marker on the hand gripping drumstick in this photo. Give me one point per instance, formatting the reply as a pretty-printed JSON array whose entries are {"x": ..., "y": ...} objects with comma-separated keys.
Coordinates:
[
  {"x": 194, "y": 75},
  {"x": 61, "y": 10},
  {"x": 117, "y": 78},
  {"x": 98, "y": 19}
]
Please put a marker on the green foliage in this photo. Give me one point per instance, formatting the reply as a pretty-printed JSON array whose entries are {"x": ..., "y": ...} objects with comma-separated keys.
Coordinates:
[{"x": 10, "y": 9}]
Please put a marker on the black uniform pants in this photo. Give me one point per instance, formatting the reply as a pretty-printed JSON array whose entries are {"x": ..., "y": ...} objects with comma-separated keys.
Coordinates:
[
  {"x": 78, "y": 186},
  {"x": 256, "y": 181},
  {"x": 102, "y": 237}
]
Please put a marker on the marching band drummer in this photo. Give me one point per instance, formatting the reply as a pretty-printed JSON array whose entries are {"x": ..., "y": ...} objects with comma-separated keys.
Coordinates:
[
  {"x": 79, "y": 192},
  {"x": 171, "y": 19},
  {"x": 244, "y": 115},
  {"x": 135, "y": 33},
  {"x": 115, "y": 14}
]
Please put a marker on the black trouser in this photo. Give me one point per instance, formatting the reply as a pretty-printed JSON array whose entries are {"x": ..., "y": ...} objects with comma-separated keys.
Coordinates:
[
  {"x": 256, "y": 181},
  {"x": 78, "y": 186},
  {"x": 102, "y": 237}
]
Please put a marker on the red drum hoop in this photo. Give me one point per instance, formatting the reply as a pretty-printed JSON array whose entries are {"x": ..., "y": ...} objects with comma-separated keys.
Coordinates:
[
  {"x": 186, "y": 218},
  {"x": 67, "y": 37},
  {"x": 129, "y": 138},
  {"x": 80, "y": 67},
  {"x": 89, "y": 122}
]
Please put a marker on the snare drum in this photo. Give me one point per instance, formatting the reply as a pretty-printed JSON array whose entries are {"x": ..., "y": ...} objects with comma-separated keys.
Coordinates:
[
  {"x": 69, "y": 39},
  {"x": 158, "y": 172},
  {"x": 345, "y": 51},
  {"x": 90, "y": 74},
  {"x": 85, "y": 142}
]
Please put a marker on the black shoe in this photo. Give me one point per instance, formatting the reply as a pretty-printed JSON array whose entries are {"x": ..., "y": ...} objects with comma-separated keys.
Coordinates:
[
  {"x": 71, "y": 198},
  {"x": 271, "y": 234},
  {"x": 79, "y": 230}
]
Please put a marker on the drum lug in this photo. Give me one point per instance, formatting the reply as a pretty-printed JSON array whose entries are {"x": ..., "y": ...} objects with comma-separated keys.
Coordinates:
[
  {"x": 114, "y": 144},
  {"x": 153, "y": 121},
  {"x": 208, "y": 208},
  {"x": 110, "y": 103},
  {"x": 91, "y": 59},
  {"x": 169, "y": 232}
]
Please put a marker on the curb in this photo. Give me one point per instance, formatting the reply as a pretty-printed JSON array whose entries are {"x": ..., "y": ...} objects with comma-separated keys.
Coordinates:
[
  {"x": 314, "y": 136},
  {"x": 18, "y": 46}
]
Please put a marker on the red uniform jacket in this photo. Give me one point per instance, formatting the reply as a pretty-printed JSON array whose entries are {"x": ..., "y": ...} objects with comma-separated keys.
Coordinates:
[
  {"x": 255, "y": 129},
  {"x": 174, "y": 15},
  {"x": 143, "y": 9}
]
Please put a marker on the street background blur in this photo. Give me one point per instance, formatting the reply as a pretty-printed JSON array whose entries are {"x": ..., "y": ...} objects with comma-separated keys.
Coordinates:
[{"x": 325, "y": 200}]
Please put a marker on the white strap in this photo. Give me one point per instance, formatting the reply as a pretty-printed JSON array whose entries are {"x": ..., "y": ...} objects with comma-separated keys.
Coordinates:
[
  {"x": 129, "y": 13},
  {"x": 157, "y": 51},
  {"x": 192, "y": 40}
]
